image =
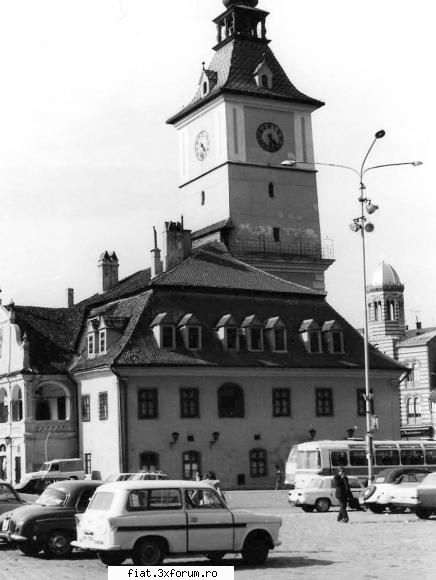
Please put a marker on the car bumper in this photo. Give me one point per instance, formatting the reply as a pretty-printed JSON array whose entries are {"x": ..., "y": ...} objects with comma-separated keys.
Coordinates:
[{"x": 95, "y": 548}]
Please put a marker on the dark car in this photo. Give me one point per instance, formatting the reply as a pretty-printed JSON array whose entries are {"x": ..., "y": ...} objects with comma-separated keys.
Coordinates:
[
  {"x": 35, "y": 485},
  {"x": 49, "y": 524},
  {"x": 426, "y": 497}
]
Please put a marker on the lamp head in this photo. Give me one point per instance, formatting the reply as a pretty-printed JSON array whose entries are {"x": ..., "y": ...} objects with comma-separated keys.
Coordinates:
[
  {"x": 355, "y": 227},
  {"x": 380, "y": 134},
  {"x": 369, "y": 227},
  {"x": 371, "y": 207},
  {"x": 289, "y": 163},
  {"x": 417, "y": 163}
]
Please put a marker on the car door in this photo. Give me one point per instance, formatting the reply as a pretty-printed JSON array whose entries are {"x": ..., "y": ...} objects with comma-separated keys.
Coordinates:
[{"x": 210, "y": 522}]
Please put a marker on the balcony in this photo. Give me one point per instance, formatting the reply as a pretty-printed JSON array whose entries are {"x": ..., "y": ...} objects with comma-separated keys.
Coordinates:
[{"x": 303, "y": 250}]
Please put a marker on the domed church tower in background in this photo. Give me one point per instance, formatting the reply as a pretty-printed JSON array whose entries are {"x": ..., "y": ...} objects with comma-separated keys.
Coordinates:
[{"x": 386, "y": 324}]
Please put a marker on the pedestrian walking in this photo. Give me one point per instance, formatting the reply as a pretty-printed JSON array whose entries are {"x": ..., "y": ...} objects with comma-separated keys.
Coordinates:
[
  {"x": 278, "y": 477},
  {"x": 342, "y": 493}
]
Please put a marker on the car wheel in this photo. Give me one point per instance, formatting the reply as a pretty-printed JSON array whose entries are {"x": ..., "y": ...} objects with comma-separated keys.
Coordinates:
[
  {"x": 396, "y": 509},
  {"x": 255, "y": 550},
  {"x": 376, "y": 508},
  {"x": 58, "y": 543},
  {"x": 148, "y": 552},
  {"x": 422, "y": 513},
  {"x": 29, "y": 548},
  {"x": 111, "y": 558},
  {"x": 307, "y": 508},
  {"x": 322, "y": 504},
  {"x": 215, "y": 557}
]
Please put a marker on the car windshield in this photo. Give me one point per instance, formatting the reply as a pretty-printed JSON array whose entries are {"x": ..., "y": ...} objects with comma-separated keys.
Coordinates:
[{"x": 53, "y": 496}]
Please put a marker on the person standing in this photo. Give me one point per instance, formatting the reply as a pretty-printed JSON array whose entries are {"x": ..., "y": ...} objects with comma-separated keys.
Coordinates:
[
  {"x": 342, "y": 493},
  {"x": 278, "y": 477}
]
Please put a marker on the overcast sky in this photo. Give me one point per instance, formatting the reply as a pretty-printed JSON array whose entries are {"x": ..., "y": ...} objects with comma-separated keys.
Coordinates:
[{"x": 87, "y": 162}]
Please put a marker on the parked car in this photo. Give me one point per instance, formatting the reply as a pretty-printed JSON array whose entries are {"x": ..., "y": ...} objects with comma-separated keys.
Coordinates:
[
  {"x": 49, "y": 524},
  {"x": 394, "y": 489},
  {"x": 137, "y": 475},
  {"x": 426, "y": 497},
  {"x": 319, "y": 493},
  {"x": 150, "y": 520}
]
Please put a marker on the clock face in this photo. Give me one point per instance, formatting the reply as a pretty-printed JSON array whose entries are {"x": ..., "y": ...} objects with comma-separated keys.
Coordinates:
[
  {"x": 202, "y": 145},
  {"x": 270, "y": 137}
]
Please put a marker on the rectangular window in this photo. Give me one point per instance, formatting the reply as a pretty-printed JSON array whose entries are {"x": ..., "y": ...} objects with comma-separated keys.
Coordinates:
[
  {"x": 91, "y": 343},
  {"x": 281, "y": 402},
  {"x": 387, "y": 457},
  {"x": 232, "y": 338},
  {"x": 412, "y": 456},
  {"x": 147, "y": 404},
  {"x": 256, "y": 338},
  {"x": 102, "y": 341},
  {"x": 189, "y": 403},
  {"x": 358, "y": 457},
  {"x": 324, "y": 402},
  {"x": 279, "y": 339},
  {"x": 86, "y": 408},
  {"x": 258, "y": 463},
  {"x": 103, "y": 410},
  {"x": 337, "y": 341},
  {"x": 430, "y": 456},
  {"x": 315, "y": 342},
  {"x": 361, "y": 403},
  {"x": 194, "y": 338},
  {"x": 338, "y": 458},
  {"x": 88, "y": 463},
  {"x": 168, "y": 336}
]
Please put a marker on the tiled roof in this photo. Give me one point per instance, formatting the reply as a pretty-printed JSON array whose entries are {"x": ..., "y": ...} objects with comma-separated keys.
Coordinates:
[
  {"x": 52, "y": 334},
  {"x": 417, "y": 337},
  {"x": 142, "y": 349},
  {"x": 235, "y": 63},
  {"x": 211, "y": 266}
]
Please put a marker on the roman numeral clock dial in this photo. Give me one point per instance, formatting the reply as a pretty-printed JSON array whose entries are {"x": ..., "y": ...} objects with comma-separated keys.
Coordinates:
[
  {"x": 270, "y": 137},
  {"x": 202, "y": 144}
]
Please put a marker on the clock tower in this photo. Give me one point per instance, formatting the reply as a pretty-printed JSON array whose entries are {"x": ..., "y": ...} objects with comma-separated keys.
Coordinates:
[{"x": 244, "y": 120}]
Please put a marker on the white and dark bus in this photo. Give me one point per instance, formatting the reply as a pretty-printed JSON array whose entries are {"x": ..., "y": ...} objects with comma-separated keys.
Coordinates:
[{"x": 324, "y": 457}]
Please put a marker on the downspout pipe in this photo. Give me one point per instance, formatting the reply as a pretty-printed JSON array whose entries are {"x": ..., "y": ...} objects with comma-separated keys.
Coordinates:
[{"x": 122, "y": 421}]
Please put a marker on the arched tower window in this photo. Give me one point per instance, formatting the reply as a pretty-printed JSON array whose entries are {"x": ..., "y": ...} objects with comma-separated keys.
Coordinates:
[
  {"x": 4, "y": 406},
  {"x": 17, "y": 404}
]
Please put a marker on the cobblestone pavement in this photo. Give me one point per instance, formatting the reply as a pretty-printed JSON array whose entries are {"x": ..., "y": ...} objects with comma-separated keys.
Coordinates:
[{"x": 314, "y": 546}]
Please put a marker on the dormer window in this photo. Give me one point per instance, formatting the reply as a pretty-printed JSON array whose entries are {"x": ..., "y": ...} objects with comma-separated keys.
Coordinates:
[
  {"x": 263, "y": 76},
  {"x": 253, "y": 330},
  {"x": 91, "y": 344},
  {"x": 333, "y": 337},
  {"x": 311, "y": 334},
  {"x": 228, "y": 332},
  {"x": 164, "y": 330},
  {"x": 275, "y": 331},
  {"x": 208, "y": 80},
  {"x": 190, "y": 328},
  {"x": 102, "y": 344},
  {"x": 92, "y": 337}
]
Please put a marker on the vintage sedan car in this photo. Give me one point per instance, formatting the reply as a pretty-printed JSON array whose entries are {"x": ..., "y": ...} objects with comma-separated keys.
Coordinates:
[
  {"x": 10, "y": 499},
  {"x": 426, "y": 497},
  {"x": 49, "y": 524},
  {"x": 319, "y": 494},
  {"x": 394, "y": 489},
  {"x": 150, "y": 520}
]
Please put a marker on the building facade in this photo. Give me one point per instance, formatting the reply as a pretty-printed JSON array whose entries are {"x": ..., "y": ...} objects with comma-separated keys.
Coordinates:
[{"x": 415, "y": 348}]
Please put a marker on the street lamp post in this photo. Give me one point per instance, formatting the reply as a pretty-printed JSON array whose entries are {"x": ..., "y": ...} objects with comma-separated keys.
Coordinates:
[{"x": 362, "y": 225}]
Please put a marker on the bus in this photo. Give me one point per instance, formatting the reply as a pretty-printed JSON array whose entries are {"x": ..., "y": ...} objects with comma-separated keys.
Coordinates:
[{"x": 324, "y": 457}]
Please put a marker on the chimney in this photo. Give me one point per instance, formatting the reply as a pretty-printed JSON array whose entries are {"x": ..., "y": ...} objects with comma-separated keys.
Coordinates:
[
  {"x": 418, "y": 325},
  {"x": 177, "y": 244},
  {"x": 70, "y": 297},
  {"x": 156, "y": 262},
  {"x": 109, "y": 270}
]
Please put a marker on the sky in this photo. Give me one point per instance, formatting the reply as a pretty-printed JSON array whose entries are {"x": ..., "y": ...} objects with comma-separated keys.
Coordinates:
[{"x": 87, "y": 162}]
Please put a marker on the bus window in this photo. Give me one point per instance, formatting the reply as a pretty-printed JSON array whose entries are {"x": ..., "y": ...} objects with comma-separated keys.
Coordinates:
[
  {"x": 300, "y": 460},
  {"x": 358, "y": 457},
  {"x": 338, "y": 458},
  {"x": 430, "y": 456},
  {"x": 313, "y": 459},
  {"x": 412, "y": 456},
  {"x": 387, "y": 457}
]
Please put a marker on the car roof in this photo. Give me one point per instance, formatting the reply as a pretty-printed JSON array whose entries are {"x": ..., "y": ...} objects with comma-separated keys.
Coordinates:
[
  {"x": 72, "y": 484},
  {"x": 152, "y": 484},
  {"x": 395, "y": 472}
]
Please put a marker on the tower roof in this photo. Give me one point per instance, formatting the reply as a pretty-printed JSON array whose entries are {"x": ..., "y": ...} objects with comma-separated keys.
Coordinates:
[{"x": 385, "y": 276}]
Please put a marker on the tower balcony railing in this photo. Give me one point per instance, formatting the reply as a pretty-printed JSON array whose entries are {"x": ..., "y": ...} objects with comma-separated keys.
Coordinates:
[{"x": 298, "y": 249}]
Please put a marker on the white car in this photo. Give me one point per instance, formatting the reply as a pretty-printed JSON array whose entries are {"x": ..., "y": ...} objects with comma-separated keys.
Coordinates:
[
  {"x": 394, "y": 489},
  {"x": 319, "y": 494},
  {"x": 150, "y": 520}
]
